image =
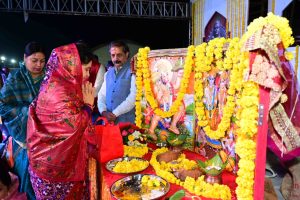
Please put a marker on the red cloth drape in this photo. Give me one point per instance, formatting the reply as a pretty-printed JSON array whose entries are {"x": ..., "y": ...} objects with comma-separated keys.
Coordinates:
[
  {"x": 261, "y": 139},
  {"x": 261, "y": 145}
]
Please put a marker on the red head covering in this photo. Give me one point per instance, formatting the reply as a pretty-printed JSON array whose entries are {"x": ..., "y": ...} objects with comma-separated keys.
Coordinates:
[
  {"x": 94, "y": 70},
  {"x": 57, "y": 122}
]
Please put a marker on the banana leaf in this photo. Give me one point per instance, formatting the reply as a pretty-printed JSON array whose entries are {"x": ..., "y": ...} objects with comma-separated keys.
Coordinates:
[
  {"x": 175, "y": 140},
  {"x": 178, "y": 195},
  {"x": 214, "y": 166}
]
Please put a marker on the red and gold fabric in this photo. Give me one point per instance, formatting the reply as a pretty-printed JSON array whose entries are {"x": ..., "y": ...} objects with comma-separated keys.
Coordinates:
[{"x": 57, "y": 122}]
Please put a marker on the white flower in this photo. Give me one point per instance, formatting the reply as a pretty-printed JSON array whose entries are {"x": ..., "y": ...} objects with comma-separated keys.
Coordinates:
[
  {"x": 136, "y": 134},
  {"x": 130, "y": 143}
]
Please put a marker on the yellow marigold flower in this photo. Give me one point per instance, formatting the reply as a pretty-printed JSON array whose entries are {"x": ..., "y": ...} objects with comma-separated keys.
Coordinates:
[
  {"x": 130, "y": 137},
  {"x": 289, "y": 55},
  {"x": 133, "y": 165}
]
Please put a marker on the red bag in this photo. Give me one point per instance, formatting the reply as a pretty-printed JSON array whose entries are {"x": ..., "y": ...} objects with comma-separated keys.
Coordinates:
[{"x": 110, "y": 139}]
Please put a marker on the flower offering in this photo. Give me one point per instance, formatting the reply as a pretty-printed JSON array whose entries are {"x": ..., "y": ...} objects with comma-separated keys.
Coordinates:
[
  {"x": 130, "y": 166},
  {"x": 132, "y": 135}
]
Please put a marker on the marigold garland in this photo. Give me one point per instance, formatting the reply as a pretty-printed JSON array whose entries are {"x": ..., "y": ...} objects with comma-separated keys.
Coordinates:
[
  {"x": 198, "y": 187},
  {"x": 143, "y": 79},
  {"x": 281, "y": 23},
  {"x": 205, "y": 55},
  {"x": 246, "y": 146},
  {"x": 237, "y": 62},
  {"x": 139, "y": 86}
]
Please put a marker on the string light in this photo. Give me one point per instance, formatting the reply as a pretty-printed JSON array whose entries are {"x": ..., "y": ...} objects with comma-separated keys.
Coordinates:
[
  {"x": 2, "y": 58},
  {"x": 6, "y": 62}
]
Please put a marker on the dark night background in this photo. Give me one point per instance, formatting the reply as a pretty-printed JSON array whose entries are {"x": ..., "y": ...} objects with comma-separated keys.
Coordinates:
[{"x": 56, "y": 30}]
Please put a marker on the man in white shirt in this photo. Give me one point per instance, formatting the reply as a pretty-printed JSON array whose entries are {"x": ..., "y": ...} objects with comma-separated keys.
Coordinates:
[
  {"x": 116, "y": 98},
  {"x": 99, "y": 79}
]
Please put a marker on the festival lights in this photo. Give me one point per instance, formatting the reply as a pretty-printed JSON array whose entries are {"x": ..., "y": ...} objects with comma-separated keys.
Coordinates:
[{"x": 4, "y": 60}]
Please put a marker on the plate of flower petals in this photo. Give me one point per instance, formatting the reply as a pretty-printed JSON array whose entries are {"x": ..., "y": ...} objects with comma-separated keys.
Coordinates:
[
  {"x": 140, "y": 186},
  {"x": 127, "y": 165}
]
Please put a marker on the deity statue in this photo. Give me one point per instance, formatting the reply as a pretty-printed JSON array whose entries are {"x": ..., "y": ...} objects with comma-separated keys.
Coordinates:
[
  {"x": 222, "y": 94},
  {"x": 210, "y": 100},
  {"x": 163, "y": 91},
  {"x": 228, "y": 144},
  {"x": 148, "y": 112},
  {"x": 178, "y": 72},
  {"x": 218, "y": 31}
]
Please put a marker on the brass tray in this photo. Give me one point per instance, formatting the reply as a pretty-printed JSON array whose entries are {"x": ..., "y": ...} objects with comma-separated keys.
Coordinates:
[
  {"x": 112, "y": 163},
  {"x": 131, "y": 187}
]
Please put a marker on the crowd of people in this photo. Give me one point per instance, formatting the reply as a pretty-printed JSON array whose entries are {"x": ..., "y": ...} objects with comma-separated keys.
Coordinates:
[{"x": 47, "y": 110}]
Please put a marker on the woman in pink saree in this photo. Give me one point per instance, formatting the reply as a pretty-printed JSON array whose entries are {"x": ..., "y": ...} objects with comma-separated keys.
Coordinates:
[{"x": 59, "y": 122}]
